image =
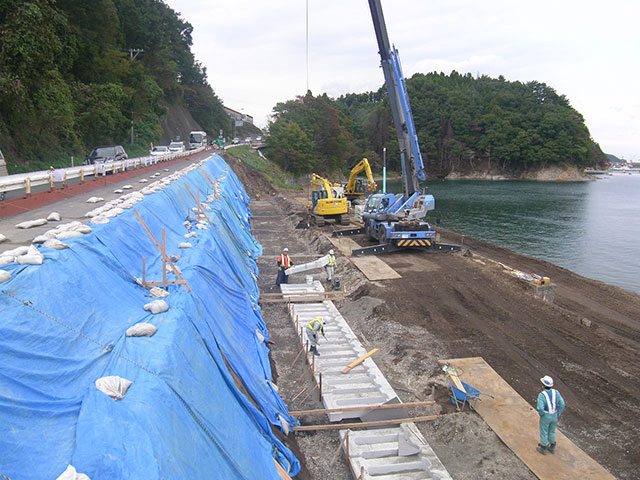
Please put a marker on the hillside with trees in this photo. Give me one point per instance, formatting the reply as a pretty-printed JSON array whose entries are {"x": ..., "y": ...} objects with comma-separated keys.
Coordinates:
[
  {"x": 69, "y": 81},
  {"x": 465, "y": 125}
]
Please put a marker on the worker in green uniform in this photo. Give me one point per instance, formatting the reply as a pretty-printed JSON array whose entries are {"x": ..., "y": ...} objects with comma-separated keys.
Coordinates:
[
  {"x": 314, "y": 328},
  {"x": 550, "y": 406}
]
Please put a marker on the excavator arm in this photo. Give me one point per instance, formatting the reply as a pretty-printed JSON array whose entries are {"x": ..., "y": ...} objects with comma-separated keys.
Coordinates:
[{"x": 362, "y": 166}]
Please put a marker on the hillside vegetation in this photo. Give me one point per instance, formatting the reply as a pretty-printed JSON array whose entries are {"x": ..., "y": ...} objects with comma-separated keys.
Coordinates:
[
  {"x": 68, "y": 81},
  {"x": 464, "y": 125}
]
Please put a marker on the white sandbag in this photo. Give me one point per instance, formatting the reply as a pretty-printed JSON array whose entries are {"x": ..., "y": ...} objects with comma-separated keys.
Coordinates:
[
  {"x": 127, "y": 187},
  {"x": 2, "y": 238},
  {"x": 157, "y": 306},
  {"x": 118, "y": 190},
  {"x": 95, "y": 199},
  {"x": 144, "y": 180},
  {"x": 142, "y": 330},
  {"x": 194, "y": 209},
  {"x": 32, "y": 223},
  {"x": 100, "y": 219},
  {"x": 55, "y": 244},
  {"x": 16, "y": 252},
  {"x": 114, "y": 386},
  {"x": 4, "y": 276},
  {"x": 199, "y": 226},
  {"x": 184, "y": 245},
  {"x": 30, "y": 259},
  {"x": 190, "y": 235},
  {"x": 260, "y": 336},
  {"x": 205, "y": 206},
  {"x": 157, "y": 292},
  {"x": 7, "y": 259},
  {"x": 41, "y": 239},
  {"x": 82, "y": 229},
  {"x": 174, "y": 258},
  {"x": 54, "y": 217},
  {"x": 71, "y": 474},
  {"x": 68, "y": 234},
  {"x": 166, "y": 169}
]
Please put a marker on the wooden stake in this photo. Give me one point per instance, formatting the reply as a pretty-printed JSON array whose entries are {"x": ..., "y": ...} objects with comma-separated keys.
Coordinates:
[
  {"x": 310, "y": 392},
  {"x": 303, "y": 375},
  {"x": 299, "y": 393},
  {"x": 362, "y": 472},
  {"x": 335, "y": 456},
  {"x": 359, "y": 361},
  {"x": 341, "y": 426},
  {"x": 165, "y": 258},
  {"x": 364, "y": 407},
  {"x": 297, "y": 356}
]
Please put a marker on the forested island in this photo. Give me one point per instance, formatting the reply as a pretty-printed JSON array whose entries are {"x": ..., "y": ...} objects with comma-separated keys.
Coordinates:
[{"x": 467, "y": 127}]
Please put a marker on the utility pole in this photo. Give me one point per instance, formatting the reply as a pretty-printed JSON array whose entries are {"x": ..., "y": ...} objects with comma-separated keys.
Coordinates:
[{"x": 133, "y": 53}]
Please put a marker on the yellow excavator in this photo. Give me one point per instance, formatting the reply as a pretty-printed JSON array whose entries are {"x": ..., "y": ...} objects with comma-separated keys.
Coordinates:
[
  {"x": 357, "y": 187},
  {"x": 327, "y": 200}
]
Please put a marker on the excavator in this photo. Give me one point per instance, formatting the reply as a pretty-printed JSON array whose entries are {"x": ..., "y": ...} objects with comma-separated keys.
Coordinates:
[
  {"x": 357, "y": 187},
  {"x": 327, "y": 201},
  {"x": 396, "y": 221}
]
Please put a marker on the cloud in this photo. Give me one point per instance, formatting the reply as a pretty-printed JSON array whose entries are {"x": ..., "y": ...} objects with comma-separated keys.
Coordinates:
[{"x": 255, "y": 52}]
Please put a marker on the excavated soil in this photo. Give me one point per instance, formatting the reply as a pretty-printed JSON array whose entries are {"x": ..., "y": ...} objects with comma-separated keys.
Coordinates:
[{"x": 449, "y": 305}]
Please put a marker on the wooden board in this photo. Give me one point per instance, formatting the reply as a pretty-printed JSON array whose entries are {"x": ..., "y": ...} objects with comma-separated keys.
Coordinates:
[
  {"x": 373, "y": 267},
  {"x": 515, "y": 421}
]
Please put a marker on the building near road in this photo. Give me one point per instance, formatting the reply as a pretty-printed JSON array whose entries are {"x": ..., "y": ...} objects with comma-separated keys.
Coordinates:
[{"x": 238, "y": 116}]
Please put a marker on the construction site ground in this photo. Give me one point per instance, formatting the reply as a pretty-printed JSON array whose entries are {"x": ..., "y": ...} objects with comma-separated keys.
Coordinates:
[{"x": 454, "y": 305}]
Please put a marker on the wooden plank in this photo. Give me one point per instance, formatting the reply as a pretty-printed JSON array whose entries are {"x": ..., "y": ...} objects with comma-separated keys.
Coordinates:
[
  {"x": 373, "y": 267},
  {"x": 321, "y": 411},
  {"x": 357, "y": 362},
  {"x": 378, "y": 423},
  {"x": 281, "y": 471},
  {"x": 516, "y": 423}
]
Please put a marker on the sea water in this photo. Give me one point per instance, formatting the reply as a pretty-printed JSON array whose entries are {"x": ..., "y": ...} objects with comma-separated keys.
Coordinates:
[{"x": 591, "y": 228}]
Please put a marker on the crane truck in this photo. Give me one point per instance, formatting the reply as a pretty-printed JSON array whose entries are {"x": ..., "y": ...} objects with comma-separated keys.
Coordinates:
[{"x": 396, "y": 221}]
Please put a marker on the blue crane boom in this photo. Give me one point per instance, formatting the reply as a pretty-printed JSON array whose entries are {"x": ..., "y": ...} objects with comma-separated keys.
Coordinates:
[{"x": 411, "y": 158}]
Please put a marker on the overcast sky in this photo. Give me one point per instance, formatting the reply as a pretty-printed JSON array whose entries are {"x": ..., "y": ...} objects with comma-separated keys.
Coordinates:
[{"x": 255, "y": 51}]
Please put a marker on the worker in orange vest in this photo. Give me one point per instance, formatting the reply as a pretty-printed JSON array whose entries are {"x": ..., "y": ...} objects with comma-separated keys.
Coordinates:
[{"x": 284, "y": 262}]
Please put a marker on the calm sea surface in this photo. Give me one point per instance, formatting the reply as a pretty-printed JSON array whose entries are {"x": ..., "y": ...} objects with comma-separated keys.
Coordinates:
[{"x": 591, "y": 228}]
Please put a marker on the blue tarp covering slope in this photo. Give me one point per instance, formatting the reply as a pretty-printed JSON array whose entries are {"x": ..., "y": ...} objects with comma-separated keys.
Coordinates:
[{"x": 183, "y": 416}]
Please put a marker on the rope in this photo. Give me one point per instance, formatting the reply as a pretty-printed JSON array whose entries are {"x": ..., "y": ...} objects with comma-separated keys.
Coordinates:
[
  {"x": 107, "y": 348},
  {"x": 104, "y": 259}
]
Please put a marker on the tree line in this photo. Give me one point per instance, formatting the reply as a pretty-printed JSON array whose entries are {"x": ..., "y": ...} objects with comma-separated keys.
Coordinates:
[
  {"x": 68, "y": 80},
  {"x": 464, "y": 124}
]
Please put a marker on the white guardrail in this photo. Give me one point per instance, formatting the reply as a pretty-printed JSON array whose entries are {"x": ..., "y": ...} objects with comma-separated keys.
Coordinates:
[{"x": 25, "y": 181}]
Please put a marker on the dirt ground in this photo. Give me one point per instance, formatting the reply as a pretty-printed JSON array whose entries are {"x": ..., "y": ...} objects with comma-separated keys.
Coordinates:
[{"x": 459, "y": 305}]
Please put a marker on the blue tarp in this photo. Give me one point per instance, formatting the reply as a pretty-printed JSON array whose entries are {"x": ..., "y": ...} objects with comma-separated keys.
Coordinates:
[{"x": 63, "y": 324}]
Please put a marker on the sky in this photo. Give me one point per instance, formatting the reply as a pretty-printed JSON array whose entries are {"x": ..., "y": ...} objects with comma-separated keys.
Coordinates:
[{"x": 255, "y": 51}]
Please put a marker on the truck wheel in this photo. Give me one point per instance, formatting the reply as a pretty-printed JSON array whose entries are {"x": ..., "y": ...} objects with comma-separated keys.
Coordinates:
[{"x": 367, "y": 231}]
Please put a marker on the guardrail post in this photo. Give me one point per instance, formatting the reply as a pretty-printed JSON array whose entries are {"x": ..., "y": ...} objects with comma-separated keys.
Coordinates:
[
  {"x": 95, "y": 172},
  {"x": 51, "y": 185},
  {"x": 27, "y": 186},
  {"x": 81, "y": 175},
  {"x": 64, "y": 180}
]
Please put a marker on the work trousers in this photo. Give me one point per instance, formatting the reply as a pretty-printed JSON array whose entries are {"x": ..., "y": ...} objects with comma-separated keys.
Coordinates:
[
  {"x": 313, "y": 337},
  {"x": 330, "y": 271},
  {"x": 282, "y": 277},
  {"x": 548, "y": 424}
]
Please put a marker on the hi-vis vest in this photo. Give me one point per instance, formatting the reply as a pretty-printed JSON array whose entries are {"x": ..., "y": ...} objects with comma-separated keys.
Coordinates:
[
  {"x": 285, "y": 261},
  {"x": 552, "y": 401},
  {"x": 316, "y": 321},
  {"x": 332, "y": 261}
]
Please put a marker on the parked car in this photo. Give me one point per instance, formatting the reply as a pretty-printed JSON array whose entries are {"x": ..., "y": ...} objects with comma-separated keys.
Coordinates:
[
  {"x": 258, "y": 138},
  {"x": 247, "y": 140},
  {"x": 177, "y": 147},
  {"x": 159, "y": 150},
  {"x": 235, "y": 141},
  {"x": 105, "y": 153}
]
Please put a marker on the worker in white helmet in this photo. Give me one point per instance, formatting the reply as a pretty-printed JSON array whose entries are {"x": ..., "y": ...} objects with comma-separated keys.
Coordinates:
[
  {"x": 550, "y": 407},
  {"x": 284, "y": 262},
  {"x": 331, "y": 266}
]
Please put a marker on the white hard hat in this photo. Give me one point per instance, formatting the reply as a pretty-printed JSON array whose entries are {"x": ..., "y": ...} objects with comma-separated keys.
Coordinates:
[
  {"x": 331, "y": 252},
  {"x": 285, "y": 249},
  {"x": 547, "y": 381}
]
